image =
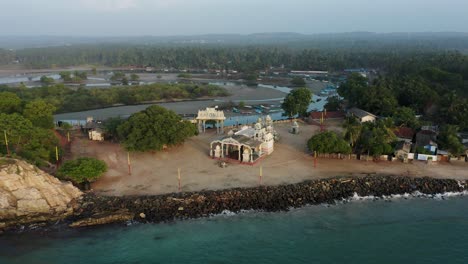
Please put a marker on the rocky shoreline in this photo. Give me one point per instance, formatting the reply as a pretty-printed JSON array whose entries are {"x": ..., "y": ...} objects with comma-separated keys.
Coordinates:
[{"x": 97, "y": 210}]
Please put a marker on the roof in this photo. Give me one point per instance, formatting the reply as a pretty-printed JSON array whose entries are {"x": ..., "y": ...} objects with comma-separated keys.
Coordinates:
[
  {"x": 247, "y": 141},
  {"x": 404, "y": 132},
  {"x": 243, "y": 140},
  {"x": 248, "y": 132},
  {"x": 426, "y": 137},
  {"x": 359, "y": 112}
]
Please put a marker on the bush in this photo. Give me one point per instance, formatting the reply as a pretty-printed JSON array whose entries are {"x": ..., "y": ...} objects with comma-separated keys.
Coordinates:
[{"x": 82, "y": 170}]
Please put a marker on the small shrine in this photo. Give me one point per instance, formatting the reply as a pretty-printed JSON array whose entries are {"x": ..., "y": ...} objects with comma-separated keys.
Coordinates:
[
  {"x": 294, "y": 127},
  {"x": 248, "y": 144},
  {"x": 210, "y": 114}
]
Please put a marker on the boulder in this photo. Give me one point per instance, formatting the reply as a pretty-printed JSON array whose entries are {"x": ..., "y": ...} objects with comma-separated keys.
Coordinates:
[{"x": 28, "y": 195}]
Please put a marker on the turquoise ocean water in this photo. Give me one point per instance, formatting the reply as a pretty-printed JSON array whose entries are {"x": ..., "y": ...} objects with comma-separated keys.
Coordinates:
[{"x": 415, "y": 230}]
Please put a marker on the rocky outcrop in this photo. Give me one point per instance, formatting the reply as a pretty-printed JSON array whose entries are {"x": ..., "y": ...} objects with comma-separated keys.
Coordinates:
[
  {"x": 28, "y": 195},
  {"x": 268, "y": 198}
]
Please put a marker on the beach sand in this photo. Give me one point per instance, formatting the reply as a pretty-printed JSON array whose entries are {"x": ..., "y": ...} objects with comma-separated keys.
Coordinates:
[{"x": 156, "y": 173}]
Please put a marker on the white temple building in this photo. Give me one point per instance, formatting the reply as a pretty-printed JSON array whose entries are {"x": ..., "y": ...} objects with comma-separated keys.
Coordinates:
[
  {"x": 210, "y": 114},
  {"x": 248, "y": 144}
]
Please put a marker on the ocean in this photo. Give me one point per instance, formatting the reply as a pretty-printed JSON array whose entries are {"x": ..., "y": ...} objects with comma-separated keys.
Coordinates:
[{"x": 398, "y": 230}]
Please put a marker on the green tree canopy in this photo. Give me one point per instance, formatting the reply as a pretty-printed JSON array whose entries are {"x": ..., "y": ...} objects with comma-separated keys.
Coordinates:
[
  {"x": 9, "y": 103},
  {"x": 32, "y": 143},
  {"x": 298, "y": 81},
  {"x": 134, "y": 77},
  {"x": 353, "y": 130},
  {"x": 40, "y": 113},
  {"x": 82, "y": 170},
  {"x": 334, "y": 103},
  {"x": 153, "y": 128},
  {"x": 46, "y": 80},
  {"x": 448, "y": 140},
  {"x": 297, "y": 102},
  {"x": 405, "y": 116},
  {"x": 376, "y": 138},
  {"x": 66, "y": 76},
  {"x": 328, "y": 142}
]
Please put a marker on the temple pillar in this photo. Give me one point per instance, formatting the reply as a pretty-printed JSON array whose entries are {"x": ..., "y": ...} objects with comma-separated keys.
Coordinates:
[
  {"x": 222, "y": 150},
  {"x": 239, "y": 148}
]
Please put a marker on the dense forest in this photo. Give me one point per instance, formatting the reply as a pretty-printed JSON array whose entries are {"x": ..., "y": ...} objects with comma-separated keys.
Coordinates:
[
  {"x": 243, "y": 58},
  {"x": 66, "y": 99}
]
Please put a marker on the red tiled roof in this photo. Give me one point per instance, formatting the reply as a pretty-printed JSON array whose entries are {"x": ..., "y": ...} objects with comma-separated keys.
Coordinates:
[
  {"x": 404, "y": 132},
  {"x": 335, "y": 114}
]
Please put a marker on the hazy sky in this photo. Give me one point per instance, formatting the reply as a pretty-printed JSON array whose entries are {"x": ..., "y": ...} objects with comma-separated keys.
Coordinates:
[{"x": 176, "y": 17}]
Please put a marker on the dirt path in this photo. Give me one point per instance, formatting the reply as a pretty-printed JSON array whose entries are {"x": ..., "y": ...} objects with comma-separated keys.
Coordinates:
[{"x": 156, "y": 173}]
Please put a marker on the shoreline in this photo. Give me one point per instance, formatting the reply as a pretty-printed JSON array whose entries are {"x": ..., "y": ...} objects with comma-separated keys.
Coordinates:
[{"x": 95, "y": 210}]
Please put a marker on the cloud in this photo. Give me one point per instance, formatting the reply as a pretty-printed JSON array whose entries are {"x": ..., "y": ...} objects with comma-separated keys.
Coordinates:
[{"x": 109, "y": 5}]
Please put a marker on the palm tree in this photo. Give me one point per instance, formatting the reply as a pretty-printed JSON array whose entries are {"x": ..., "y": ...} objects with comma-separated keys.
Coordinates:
[{"x": 353, "y": 130}]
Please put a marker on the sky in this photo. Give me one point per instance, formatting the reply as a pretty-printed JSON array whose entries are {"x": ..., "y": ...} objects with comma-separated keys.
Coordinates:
[{"x": 194, "y": 17}]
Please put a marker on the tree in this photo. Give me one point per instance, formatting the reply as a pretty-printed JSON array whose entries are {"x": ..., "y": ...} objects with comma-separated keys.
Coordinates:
[
  {"x": 117, "y": 76},
  {"x": 353, "y": 89},
  {"x": 65, "y": 76},
  {"x": 40, "y": 113},
  {"x": 9, "y": 103},
  {"x": 241, "y": 104},
  {"x": 334, "y": 103},
  {"x": 154, "y": 128},
  {"x": 298, "y": 81},
  {"x": 124, "y": 81},
  {"x": 405, "y": 116},
  {"x": 46, "y": 80},
  {"x": 134, "y": 77},
  {"x": 448, "y": 140},
  {"x": 111, "y": 125},
  {"x": 297, "y": 102},
  {"x": 94, "y": 71},
  {"x": 82, "y": 170},
  {"x": 32, "y": 143},
  {"x": 376, "y": 138},
  {"x": 328, "y": 142},
  {"x": 353, "y": 129}
]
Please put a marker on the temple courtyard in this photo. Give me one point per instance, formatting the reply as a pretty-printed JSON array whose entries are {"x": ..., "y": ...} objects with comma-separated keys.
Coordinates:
[{"x": 157, "y": 173}]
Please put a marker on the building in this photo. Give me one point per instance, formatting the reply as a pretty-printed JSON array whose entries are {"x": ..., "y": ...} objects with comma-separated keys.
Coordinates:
[
  {"x": 96, "y": 134},
  {"x": 405, "y": 134},
  {"x": 246, "y": 145},
  {"x": 427, "y": 140},
  {"x": 210, "y": 114},
  {"x": 402, "y": 150},
  {"x": 361, "y": 115}
]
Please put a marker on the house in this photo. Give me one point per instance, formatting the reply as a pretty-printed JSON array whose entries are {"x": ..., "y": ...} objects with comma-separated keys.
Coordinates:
[
  {"x": 426, "y": 139},
  {"x": 402, "y": 150},
  {"x": 96, "y": 134},
  {"x": 405, "y": 134},
  {"x": 361, "y": 115}
]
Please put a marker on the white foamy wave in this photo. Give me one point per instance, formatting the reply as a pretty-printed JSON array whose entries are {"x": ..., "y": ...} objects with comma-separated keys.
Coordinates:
[{"x": 417, "y": 194}]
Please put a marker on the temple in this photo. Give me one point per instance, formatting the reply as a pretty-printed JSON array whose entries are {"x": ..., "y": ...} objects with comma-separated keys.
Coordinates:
[
  {"x": 248, "y": 144},
  {"x": 210, "y": 114}
]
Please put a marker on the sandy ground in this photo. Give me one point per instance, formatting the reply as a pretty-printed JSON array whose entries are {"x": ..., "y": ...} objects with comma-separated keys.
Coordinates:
[{"x": 156, "y": 173}]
